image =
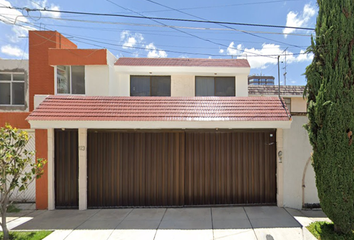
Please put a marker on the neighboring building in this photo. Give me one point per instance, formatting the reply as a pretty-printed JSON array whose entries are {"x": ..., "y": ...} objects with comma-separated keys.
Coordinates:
[
  {"x": 155, "y": 132},
  {"x": 14, "y": 109},
  {"x": 260, "y": 80}
]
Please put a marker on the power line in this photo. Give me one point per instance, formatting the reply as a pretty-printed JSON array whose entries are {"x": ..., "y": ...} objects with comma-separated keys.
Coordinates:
[
  {"x": 140, "y": 48},
  {"x": 156, "y": 18},
  {"x": 169, "y": 26},
  {"x": 223, "y": 25},
  {"x": 221, "y": 6},
  {"x": 187, "y": 33}
]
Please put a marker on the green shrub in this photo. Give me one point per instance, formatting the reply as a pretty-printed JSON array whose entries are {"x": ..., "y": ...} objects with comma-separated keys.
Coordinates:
[
  {"x": 330, "y": 91},
  {"x": 325, "y": 231}
]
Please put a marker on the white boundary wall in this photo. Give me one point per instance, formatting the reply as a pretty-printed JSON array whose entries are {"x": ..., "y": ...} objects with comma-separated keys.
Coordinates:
[{"x": 296, "y": 153}]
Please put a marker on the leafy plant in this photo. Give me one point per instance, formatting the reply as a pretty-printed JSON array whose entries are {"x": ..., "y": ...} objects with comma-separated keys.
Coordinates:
[
  {"x": 14, "y": 159},
  {"x": 325, "y": 231}
]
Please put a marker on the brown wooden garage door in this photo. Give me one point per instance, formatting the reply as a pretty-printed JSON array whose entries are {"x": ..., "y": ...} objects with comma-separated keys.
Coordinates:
[{"x": 181, "y": 168}]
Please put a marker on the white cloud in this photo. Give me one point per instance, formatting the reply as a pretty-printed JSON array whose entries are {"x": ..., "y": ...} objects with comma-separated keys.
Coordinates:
[
  {"x": 258, "y": 57},
  {"x": 221, "y": 51},
  {"x": 13, "y": 51},
  {"x": 231, "y": 50},
  {"x": 13, "y": 16},
  {"x": 153, "y": 52},
  {"x": 130, "y": 40},
  {"x": 44, "y": 4},
  {"x": 209, "y": 57},
  {"x": 294, "y": 19}
]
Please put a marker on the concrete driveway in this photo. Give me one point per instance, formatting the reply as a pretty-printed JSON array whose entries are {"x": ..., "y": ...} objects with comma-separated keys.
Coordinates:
[{"x": 165, "y": 223}]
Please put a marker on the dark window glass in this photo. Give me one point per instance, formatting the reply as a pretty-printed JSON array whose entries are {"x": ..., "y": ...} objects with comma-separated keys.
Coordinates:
[
  {"x": 150, "y": 86},
  {"x": 18, "y": 93},
  {"x": 5, "y": 77},
  {"x": 18, "y": 77},
  {"x": 139, "y": 86},
  {"x": 224, "y": 86},
  {"x": 4, "y": 93},
  {"x": 78, "y": 79},
  {"x": 215, "y": 86},
  {"x": 204, "y": 86},
  {"x": 160, "y": 86}
]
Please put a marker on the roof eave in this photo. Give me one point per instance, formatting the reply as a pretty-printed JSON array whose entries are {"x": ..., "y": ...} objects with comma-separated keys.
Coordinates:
[{"x": 47, "y": 124}]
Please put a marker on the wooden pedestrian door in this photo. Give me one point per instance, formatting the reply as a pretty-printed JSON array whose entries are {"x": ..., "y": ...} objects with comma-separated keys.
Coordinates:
[
  {"x": 177, "y": 168},
  {"x": 66, "y": 169}
]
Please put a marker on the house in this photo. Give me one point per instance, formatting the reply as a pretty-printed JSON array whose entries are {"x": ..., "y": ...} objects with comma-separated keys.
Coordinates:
[
  {"x": 159, "y": 132},
  {"x": 14, "y": 97}
]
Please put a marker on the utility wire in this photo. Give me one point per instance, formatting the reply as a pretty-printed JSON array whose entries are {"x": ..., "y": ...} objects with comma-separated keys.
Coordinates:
[
  {"x": 168, "y": 26},
  {"x": 187, "y": 33},
  {"x": 80, "y": 39},
  {"x": 155, "y": 18},
  {"x": 223, "y": 25},
  {"x": 221, "y": 6}
]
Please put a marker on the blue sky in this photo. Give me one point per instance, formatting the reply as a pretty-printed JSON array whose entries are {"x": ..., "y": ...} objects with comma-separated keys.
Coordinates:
[{"x": 130, "y": 37}]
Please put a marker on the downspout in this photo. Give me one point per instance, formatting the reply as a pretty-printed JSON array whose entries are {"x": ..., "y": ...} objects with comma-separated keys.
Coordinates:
[{"x": 303, "y": 182}]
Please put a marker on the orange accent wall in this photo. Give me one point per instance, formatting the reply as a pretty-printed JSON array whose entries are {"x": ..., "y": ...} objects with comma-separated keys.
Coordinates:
[
  {"x": 77, "y": 57},
  {"x": 15, "y": 119},
  {"x": 41, "y": 81},
  {"x": 41, "y": 74},
  {"x": 42, "y": 182}
]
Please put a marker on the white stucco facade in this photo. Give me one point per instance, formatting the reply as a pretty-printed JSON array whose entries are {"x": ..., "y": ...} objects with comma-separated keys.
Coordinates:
[
  {"x": 296, "y": 153},
  {"x": 293, "y": 169}
]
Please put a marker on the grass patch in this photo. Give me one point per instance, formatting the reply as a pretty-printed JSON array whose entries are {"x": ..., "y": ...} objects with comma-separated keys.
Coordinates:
[
  {"x": 38, "y": 235},
  {"x": 13, "y": 209},
  {"x": 325, "y": 231}
]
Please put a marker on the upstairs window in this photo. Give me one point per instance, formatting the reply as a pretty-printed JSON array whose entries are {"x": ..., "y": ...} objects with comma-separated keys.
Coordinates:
[
  {"x": 12, "y": 88},
  {"x": 215, "y": 86},
  {"x": 70, "y": 79},
  {"x": 150, "y": 86}
]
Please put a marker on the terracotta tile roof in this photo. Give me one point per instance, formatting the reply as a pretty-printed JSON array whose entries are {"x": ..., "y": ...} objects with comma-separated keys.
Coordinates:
[
  {"x": 262, "y": 90},
  {"x": 84, "y": 108},
  {"x": 182, "y": 62}
]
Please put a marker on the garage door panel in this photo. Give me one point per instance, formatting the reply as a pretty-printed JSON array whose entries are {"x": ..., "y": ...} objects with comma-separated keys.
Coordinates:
[
  {"x": 135, "y": 169},
  {"x": 230, "y": 168}
]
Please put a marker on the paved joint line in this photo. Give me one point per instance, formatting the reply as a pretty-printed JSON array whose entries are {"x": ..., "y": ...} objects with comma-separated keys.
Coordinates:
[
  {"x": 125, "y": 217},
  {"x": 82, "y": 222},
  {"x": 160, "y": 223},
  {"x": 250, "y": 223},
  {"x": 120, "y": 222},
  {"x": 212, "y": 222}
]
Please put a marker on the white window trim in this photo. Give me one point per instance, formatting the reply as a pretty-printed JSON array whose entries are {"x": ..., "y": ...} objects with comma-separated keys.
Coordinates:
[
  {"x": 71, "y": 87},
  {"x": 14, "y": 81}
]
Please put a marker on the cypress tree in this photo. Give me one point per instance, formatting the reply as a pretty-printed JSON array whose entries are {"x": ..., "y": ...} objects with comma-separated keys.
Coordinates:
[{"x": 330, "y": 92}]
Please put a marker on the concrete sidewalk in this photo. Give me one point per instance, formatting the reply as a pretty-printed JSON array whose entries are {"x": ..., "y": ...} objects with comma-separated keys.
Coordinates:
[{"x": 169, "y": 223}]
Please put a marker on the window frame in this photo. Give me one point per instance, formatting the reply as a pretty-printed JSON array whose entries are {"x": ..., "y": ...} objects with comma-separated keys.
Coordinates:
[
  {"x": 11, "y": 81},
  {"x": 71, "y": 84},
  {"x": 150, "y": 89},
  {"x": 214, "y": 77}
]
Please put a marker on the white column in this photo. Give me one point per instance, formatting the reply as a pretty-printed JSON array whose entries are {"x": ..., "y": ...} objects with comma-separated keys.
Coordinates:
[
  {"x": 82, "y": 168},
  {"x": 280, "y": 170},
  {"x": 50, "y": 167},
  {"x": 241, "y": 85}
]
